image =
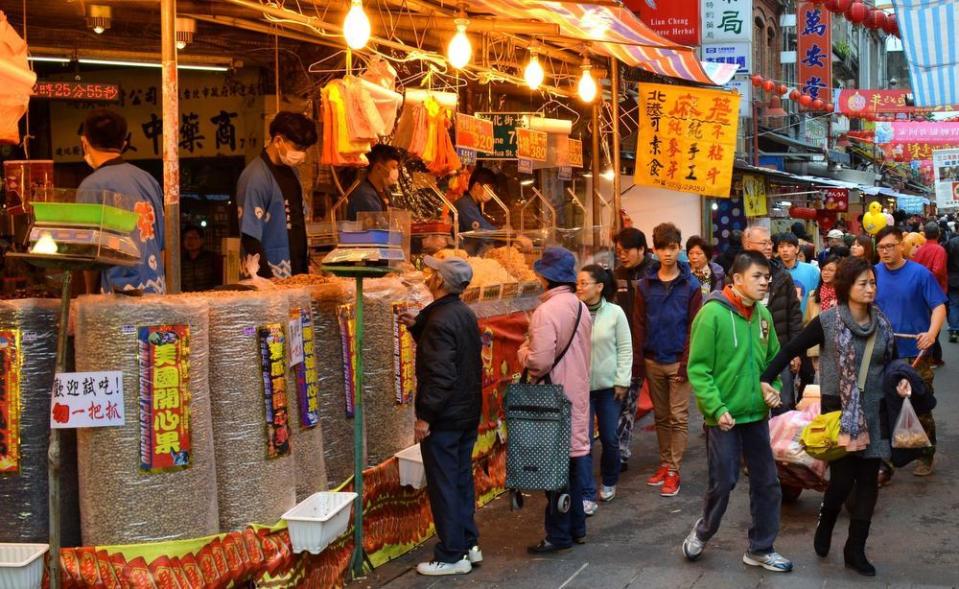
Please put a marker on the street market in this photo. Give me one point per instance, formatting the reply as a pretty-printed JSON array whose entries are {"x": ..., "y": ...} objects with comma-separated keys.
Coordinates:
[{"x": 231, "y": 230}]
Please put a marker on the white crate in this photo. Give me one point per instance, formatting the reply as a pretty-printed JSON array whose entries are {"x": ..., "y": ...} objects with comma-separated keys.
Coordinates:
[
  {"x": 318, "y": 520},
  {"x": 21, "y": 565},
  {"x": 412, "y": 472}
]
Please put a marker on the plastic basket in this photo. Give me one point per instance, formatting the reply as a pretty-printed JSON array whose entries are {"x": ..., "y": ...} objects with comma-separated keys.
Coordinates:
[
  {"x": 412, "y": 472},
  {"x": 318, "y": 520},
  {"x": 84, "y": 214},
  {"x": 21, "y": 565}
]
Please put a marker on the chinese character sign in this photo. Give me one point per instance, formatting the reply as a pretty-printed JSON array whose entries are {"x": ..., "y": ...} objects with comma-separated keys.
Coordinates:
[
  {"x": 727, "y": 20},
  {"x": 531, "y": 145},
  {"x": 814, "y": 52},
  {"x": 273, "y": 368},
  {"x": 92, "y": 91},
  {"x": 404, "y": 351},
  {"x": 739, "y": 54},
  {"x": 836, "y": 200},
  {"x": 346, "y": 317},
  {"x": 87, "y": 399},
  {"x": 687, "y": 138},
  {"x": 945, "y": 165},
  {"x": 9, "y": 402},
  {"x": 474, "y": 134},
  {"x": 754, "y": 195},
  {"x": 165, "y": 436},
  {"x": 307, "y": 380},
  {"x": 676, "y": 20}
]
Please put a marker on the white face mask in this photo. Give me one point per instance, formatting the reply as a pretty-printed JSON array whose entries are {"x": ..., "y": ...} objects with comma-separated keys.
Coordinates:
[{"x": 293, "y": 158}]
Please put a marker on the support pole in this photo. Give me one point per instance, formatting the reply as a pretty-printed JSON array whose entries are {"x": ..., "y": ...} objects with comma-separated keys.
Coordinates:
[
  {"x": 617, "y": 181},
  {"x": 594, "y": 183},
  {"x": 171, "y": 152},
  {"x": 54, "y": 453},
  {"x": 359, "y": 457}
]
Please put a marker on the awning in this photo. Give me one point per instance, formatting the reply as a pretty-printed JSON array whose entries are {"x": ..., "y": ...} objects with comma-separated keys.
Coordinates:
[
  {"x": 742, "y": 166},
  {"x": 616, "y": 32},
  {"x": 928, "y": 29}
]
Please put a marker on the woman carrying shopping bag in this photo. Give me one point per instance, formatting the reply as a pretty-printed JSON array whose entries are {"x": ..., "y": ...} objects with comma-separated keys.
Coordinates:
[
  {"x": 857, "y": 344},
  {"x": 562, "y": 319},
  {"x": 610, "y": 369}
]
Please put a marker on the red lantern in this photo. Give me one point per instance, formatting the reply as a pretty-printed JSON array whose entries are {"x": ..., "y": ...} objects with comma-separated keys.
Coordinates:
[
  {"x": 818, "y": 104},
  {"x": 769, "y": 85},
  {"x": 877, "y": 20},
  {"x": 857, "y": 13},
  {"x": 831, "y": 5},
  {"x": 782, "y": 89},
  {"x": 802, "y": 213},
  {"x": 794, "y": 94},
  {"x": 843, "y": 5},
  {"x": 892, "y": 25},
  {"x": 757, "y": 80},
  {"x": 830, "y": 107},
  {"x": 805, "y": 100}
]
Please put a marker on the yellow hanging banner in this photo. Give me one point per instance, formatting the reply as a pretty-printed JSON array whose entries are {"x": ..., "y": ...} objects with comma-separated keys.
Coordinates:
[
  {"x": 687, "y": 139},
  {"x": 754, "y": 195}
]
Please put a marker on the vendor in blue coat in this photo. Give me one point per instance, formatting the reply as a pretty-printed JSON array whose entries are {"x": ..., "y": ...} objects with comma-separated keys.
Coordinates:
[
  {"x": 372, "y": 194},
  {"x": 103, "y": 139},
  {"x": 270, "y": 199},
  {"x": 471, "y": 217}
]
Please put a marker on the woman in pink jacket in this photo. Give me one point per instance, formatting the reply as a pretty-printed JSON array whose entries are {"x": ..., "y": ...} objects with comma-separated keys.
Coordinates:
[{"x": 553, "y": 325}]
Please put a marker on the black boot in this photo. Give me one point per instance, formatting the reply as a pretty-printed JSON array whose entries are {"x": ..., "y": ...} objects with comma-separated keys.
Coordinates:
[
  {"x": 855, "y": 551},
  {"x": 823, "y": 538}
]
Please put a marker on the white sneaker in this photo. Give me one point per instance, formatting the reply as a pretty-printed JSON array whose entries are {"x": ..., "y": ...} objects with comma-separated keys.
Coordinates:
[
  {"x": 439, "y": 569},
  {"x": 590, "y": 507},
  {"x": 607, "y": 493},
  {"x": 475, "y": 555},
  {"x": 692, "y": 545}
]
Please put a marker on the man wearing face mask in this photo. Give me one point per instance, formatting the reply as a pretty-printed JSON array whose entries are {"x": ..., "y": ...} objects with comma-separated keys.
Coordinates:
[
  {"x": 471, "y": 217},
  {"x": 372, "y": 195},
  {"x": 270, "y": 199},
  {"x": 103, "y": 140}
]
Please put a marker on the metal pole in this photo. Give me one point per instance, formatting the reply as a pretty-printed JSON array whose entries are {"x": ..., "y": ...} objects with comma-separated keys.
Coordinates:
[
  {"x": 359, "y": 457},
  {"x": 594, "y": 184},
  {"x": 53, "y": 451},
  {"x": 617, "y": 181},
  {"x": 171, "y": 151}
]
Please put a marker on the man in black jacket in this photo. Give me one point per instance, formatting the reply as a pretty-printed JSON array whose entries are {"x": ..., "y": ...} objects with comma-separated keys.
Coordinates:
[{"x": 449, "y": 401}]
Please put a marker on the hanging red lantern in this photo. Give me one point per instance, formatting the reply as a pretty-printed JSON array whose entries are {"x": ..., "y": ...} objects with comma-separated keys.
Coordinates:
[
  {"x": 877, "y": 20},
  {"x": 831, "y": 5},
  {"x": 802, "y": 213},
  {"x": 830, "y": 107},
  {"x": 857, "y": 13},
  {"x": 842, "y": 5},
  {"x": 794, "y": 94},
  {"x": 805, "y": 100},
  {"x": 782, "y": 89},
  {"x": 757, "y": 80},
  {"x": 892, "y": 25},
  {"x": 769, "y": 85},
  {"x": 818, "y": 104}
]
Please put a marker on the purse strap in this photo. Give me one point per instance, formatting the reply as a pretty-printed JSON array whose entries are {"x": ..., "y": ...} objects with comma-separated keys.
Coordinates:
[
  {"x": 866, "y": 360},
  {"x": 579, "y": 314}
]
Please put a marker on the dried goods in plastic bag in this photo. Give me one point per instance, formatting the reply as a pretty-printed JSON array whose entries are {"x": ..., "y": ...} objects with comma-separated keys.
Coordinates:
[{"x": 908, "y": 432}]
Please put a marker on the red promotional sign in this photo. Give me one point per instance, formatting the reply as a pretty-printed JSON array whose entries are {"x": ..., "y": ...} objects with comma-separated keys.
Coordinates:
[
  {"x": 836, "y": 200},
  {"x": 859, "y": 103},
  {"x": 814, "y": 54},
  {"x": 91, "y": 91},
  {"x": 676, "y": 20},
  {"x": 474, "y": 133}
]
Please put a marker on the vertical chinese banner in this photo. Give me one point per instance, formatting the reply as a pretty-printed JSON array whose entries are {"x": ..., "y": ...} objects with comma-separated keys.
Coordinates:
[
  {"x": 346, "y": 317},
  {"x": 404, "y": 351},
  {"x": 307, "y": 380},
  {"x": 687, "y": 139},
  {"x": 164, "y": 359},
  {"x": 814, "y": 52},
  {"x": 754, "y": 195},
  {"x": 9, "y": 401},
  {"x": 273, "y": 367}
]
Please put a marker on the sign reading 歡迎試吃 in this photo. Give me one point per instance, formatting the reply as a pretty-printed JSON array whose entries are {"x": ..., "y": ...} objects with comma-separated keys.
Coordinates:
[
  {"x": 404, "y": 352},
  {"x": 687, "y": 138},
  {"x": 814, "y": 50},
  {"x": 346, "y": 318},
  {"x": 945, "y": 167},
  {"x": 307, "y": 379},
  {"x": 164, "y": 397},
  {"x": 9, "y": 401},
  {"x": 676, "y": 20},
  {"x": 65, "y": 90},
  {"x": 474, "y": 133},
  {"x": 727, "y": 20},
  {"x": 754, "y": 195},
  {"x": 739, "y": 54},
  {"x": 87, "y": 399},
  {"x": 532, "y": 145},
  {"x": 275, "y": 399}
]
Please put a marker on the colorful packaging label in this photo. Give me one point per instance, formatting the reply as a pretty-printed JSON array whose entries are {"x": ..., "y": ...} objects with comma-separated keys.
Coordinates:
[{"x": 164, "y": 358}]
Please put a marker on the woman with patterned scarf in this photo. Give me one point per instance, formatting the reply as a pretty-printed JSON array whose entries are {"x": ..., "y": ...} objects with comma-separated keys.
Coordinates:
[
  {"x": 857, "y": 343},
  {"x": 822, "y": 299}
]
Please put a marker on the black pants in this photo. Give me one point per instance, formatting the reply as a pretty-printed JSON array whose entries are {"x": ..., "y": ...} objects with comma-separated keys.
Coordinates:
[
  {"x": 852, "y": 472},
  {"x": 447, "y": 458}
]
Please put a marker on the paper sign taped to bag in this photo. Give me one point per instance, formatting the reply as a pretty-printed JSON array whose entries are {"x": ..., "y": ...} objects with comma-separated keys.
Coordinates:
[
  {"x": 87, "y": 399},
  {"x": 296, "y": 340}
]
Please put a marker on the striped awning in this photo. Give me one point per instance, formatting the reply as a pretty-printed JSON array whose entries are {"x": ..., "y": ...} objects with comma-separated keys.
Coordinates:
[
  {"x": 928, "y": 29},
  {"x": 616, "y": 32}
]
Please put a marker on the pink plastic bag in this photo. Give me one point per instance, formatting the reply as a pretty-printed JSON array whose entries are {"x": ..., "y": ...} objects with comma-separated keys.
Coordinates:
[{"x": 785, "y": 431}]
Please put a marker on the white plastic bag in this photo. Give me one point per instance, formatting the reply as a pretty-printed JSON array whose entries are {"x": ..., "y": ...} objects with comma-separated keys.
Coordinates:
[{"x": 908, "y": 432}]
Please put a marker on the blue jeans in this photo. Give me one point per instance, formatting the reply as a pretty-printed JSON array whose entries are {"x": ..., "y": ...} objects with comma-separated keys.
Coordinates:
[
  {"x": 604, "y": 406},
  {"x": 448, "y": 460},
  {"x": 724, "y": 449},
  {"x": 953, "y": 310},
  {"x": 561, "y": 528}
]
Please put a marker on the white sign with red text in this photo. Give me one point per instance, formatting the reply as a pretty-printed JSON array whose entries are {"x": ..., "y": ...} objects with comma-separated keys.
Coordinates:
[{"x": 87, "y": 399}]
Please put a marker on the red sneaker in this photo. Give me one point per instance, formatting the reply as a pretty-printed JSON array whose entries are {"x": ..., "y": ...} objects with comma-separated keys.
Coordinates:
[
  {"x": 658, "y": 477},
  {"x": 671, "y": 484}
]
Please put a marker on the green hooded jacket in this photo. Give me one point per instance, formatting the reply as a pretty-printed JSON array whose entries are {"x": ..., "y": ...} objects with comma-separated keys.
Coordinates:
[{"x": 727, "y": 355}]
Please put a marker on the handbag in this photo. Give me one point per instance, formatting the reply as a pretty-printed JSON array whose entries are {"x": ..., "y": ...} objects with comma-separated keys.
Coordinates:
[{"x": 821, "y": 437}]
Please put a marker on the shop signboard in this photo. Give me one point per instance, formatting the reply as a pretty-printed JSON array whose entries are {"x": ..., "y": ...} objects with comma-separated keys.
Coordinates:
[
  {"x": 531, "y": 145},
  {"x": 9, "y": 401},
  {"x": 474, "y": 133},
  {"x": 945, "y": 166},
  {"x": 675, "y": 20},
  {"x": 272, "y": 342},
  {"x": 742, "y": 86},
  {"x": 90, "y": 399},
  {"x": 930, "y": 133},
  {"x": 754, "y": 195},
  {"x": 860, "y": 103},
  {"x": 66, "y": 90},
  {"x": 164, "y": 397},
  {"x": 687, "y": 138},
  {"x": 836, "y": 200},
  {"x": 504, "y": 132},
  {"x": 814, "y": 52},
  {"x": 739, "y": 54},
  {"x": 726, "y": 20},
  {"x": 910, "y": 152}
]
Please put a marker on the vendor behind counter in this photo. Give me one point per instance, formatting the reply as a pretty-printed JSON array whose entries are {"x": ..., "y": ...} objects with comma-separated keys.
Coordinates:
[
  {"x": 471, "y": 217},
  {"x": 372, "y": 194}
]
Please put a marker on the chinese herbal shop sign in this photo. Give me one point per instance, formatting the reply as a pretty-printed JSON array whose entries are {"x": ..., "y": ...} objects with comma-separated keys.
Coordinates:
[
  {"x": 727, "y": 20},
  {"x": 814, "y": 52},
  {"x": 687, "y": 139},
  {"x": 165, "y": 433},
  {"x": 87, "y": 399},
  {"x": 9, "y": 401},
  {"x": 273, "y": 367},
  {"x": 474, "y": 133},
  {"x": 676, "y": 20}
]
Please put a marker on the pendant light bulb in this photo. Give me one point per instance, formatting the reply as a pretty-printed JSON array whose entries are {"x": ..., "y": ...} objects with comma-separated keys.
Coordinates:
[
  {"x": 587, "y": 86},
  {"x": 534, "y": 73},
  {"x": 356, "y": 26},
  {"x": 460, "y": 49}
]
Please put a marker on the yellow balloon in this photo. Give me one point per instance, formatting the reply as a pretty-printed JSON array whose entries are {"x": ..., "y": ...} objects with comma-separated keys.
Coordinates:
[{"x": 874, "y": 219}]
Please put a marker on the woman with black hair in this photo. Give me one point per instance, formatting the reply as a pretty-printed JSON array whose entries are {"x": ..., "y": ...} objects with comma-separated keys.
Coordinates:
[{"x": 611, "y": 362}]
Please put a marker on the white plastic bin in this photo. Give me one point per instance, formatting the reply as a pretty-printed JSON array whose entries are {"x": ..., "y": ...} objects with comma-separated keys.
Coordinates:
[
  {"x": 21, "y": 565},
  {"x": 318, "y": 520},
  {"x": 412, "y": 472}
]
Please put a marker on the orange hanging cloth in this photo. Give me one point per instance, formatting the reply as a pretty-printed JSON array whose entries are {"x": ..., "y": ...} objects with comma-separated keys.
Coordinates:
[{"x": 16, "y": 81}]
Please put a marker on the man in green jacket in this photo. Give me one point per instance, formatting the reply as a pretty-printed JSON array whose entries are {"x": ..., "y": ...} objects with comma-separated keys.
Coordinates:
[{"x": 733, "y": 340}]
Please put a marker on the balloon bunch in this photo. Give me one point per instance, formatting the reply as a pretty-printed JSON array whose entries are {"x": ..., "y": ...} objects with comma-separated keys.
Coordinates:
[
  {"x": 860, "y": 14},
  {"x": 804, "y": 100}
]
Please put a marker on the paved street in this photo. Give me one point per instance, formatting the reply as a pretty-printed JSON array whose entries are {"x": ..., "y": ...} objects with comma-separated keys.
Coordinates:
[{"x": 635, "y": 540}]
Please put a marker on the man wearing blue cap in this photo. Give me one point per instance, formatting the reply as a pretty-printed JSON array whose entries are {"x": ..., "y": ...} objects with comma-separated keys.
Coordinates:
[{"x": 449, "y": 401}]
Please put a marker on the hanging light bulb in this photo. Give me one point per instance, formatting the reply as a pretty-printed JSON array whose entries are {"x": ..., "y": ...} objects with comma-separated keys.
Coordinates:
[
  {"x": 460, "y": 50},
  {"x": 356, "y": 26},
  {"x": 587, "y": 85},
  {"x": 608, "y": 174},
  {"x": 534, "y": 73}
]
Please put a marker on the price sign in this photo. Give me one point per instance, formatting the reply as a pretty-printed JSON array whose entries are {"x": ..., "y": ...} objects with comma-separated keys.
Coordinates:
[
  {"x": 504, "y": 132},
  {"x": 87, "y": 399},
  {"x": 531, "y": 145},
  {"x": 296, "y": 340},
  {"x": 89, "y": 91},
  {"x": 474, "y": 133},
  {"x": 575, "y": 157},
  {"x": 524, "y": 166}
]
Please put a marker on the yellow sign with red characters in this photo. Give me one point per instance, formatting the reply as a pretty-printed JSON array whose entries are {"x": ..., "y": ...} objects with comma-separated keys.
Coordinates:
[
  {"x": 531, "y": 145},
  {"x": 687, "y": 139},
  {"x": 164, "y": 358}
]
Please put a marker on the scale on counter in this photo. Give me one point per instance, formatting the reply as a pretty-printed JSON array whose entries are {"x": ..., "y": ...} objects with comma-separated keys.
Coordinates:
[{"x": 375, "y": 239}]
